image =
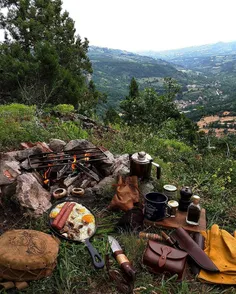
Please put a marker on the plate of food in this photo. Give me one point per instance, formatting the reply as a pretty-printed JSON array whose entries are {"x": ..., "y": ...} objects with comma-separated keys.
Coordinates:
[{"x": 73, "y": 221}]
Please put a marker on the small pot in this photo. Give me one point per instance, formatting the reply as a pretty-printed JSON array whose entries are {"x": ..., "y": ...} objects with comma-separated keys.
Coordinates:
[{"x": 141, "y": 164}]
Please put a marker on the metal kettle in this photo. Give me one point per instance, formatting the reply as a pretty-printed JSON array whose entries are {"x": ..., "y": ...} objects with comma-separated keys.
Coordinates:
[{"x": 141, "y": 165}]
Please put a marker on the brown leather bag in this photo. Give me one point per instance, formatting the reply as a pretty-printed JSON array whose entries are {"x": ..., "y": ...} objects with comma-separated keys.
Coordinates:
[
  {"x": 160, "y": 258},
  {"x": 127, "y": 193}
]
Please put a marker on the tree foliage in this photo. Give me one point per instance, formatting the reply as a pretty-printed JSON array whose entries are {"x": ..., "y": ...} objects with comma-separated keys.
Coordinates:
[
  {"x": 41, "y": 58},
  {"x": 133, "y": 89},
  {"x": 151, "y": 111},
  {"x": 148, "y": 108}
]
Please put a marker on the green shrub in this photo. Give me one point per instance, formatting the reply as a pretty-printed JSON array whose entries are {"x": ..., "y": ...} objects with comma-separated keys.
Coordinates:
[
  {"x": 18, "y": 112},
  {"x": 19, "y": 123},
  {"x": 64, "y": 109}
]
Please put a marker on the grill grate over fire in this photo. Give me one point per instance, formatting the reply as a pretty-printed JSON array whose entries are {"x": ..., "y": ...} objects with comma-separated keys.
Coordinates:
[{"x": 56, "y": 166}]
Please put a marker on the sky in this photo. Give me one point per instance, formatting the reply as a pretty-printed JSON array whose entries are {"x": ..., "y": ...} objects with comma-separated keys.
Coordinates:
[{"x": 137, "y": 25}]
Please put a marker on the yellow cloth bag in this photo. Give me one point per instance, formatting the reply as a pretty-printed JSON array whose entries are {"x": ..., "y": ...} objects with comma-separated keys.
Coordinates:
[{"x": 221, "y": 248}]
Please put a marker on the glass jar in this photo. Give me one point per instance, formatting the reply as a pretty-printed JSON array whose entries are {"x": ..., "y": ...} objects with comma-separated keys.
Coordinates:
[
  {"x": 170, "y": 191},
  {"x": 194, "y": 211}
]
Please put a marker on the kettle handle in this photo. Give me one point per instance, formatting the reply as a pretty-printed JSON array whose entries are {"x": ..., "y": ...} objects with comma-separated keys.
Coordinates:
[{"x": 158, "y": 170}]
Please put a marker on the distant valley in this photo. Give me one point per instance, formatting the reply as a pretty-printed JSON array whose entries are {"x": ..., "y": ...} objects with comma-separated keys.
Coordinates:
[
  {"x": 114, "y": 69},
  {"x": 207, "y": 75}
]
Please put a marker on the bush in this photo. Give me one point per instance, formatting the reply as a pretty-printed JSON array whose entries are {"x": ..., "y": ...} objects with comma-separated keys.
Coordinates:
[
  {"x": 19, "y": 123},
  {"x": 64, "y": 109}
]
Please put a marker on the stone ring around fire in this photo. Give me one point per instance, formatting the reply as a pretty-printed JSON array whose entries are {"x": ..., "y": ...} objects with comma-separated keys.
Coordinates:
[
  {"x": 77, "y": 192},
  {"x": 59, "y": 193}
]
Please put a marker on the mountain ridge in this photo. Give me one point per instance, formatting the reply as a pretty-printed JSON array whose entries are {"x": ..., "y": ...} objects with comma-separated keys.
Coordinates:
[{"x": 219, "y": 48}]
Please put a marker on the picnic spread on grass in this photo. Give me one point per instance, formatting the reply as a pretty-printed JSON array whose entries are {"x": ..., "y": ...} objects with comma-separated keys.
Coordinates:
[{"x": 183, "y": 239}]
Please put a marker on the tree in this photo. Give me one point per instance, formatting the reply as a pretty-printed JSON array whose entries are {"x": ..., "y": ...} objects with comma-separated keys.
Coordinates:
[
  {"x": 129, "y": 102},
  {"x": 42, "y": 52},
  {"x": 149, "y": 108},
  {"x": 133, "y": 89},
  {"x": 111, "y": 116}
]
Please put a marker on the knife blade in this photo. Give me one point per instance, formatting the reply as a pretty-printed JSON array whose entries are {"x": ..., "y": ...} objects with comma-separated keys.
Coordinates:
[{"x": 121, "y": 258}]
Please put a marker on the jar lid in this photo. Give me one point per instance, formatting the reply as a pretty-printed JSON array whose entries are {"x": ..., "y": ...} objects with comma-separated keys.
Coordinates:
[
  {"x": 141, "y": 157},
  {"x": 195, "y": 198},
  {"x": 173, "y": 203},
  {"x": 170, "y": 188}
]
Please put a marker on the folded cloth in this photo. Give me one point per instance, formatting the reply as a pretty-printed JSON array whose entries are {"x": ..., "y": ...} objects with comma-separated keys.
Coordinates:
[{"x": 221, "y": 248}]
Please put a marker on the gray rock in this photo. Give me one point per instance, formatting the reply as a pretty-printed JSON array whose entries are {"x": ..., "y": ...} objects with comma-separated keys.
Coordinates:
[
  {"x": 78, "y": 144},
  {"x": 57, "y": 145},
  {"x": 104, "y": 166},
  {"x": 104, "y": 185},
  {"x": 25, "y": 164},
  {"x": 10, "y": 156},
  {"x": 146, "y": 187},
  {"x": 121, "y": 165},
  {"x": 9, "y": 171},
  {"x": 31, "y": 195},
  {"x": 23, "y": 154}
]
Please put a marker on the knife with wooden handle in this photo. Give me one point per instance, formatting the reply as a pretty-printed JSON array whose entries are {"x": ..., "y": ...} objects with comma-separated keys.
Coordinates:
[{"x": 121, "y": 258}]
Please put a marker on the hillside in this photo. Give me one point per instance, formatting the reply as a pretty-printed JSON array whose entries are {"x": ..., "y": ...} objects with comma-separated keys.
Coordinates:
[
  {"x": 113, "y": 70},
  {"x": 217, "y": 63}
]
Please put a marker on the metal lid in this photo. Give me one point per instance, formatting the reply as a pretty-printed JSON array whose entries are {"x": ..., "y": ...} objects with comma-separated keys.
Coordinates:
[
  {"x": 141, "y": 157},
  {"x": 170, "y": 188},
  {"x": 186, "y": 192},
  {"x": 173, "y": 203},
  {"x": 195, "y": 198}
]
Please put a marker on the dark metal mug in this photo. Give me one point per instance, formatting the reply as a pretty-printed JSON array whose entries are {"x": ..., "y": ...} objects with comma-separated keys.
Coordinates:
[{"x": 155, "y": 207}]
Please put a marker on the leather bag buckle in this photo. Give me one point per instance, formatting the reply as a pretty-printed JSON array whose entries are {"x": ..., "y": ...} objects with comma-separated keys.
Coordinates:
[{"x": 165, "y": 251}]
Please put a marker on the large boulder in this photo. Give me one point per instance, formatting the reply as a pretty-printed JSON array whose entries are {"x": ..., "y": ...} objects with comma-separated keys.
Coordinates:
[{"x": 31, "y": 195}]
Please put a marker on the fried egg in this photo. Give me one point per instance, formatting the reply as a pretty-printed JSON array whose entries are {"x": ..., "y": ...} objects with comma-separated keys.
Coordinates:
[
  {"x": 82, "y": 219},
  {"x": 61, "y": 205},
  {"x": 88, "y": 218},
  {"x": 54, "y": 212}
]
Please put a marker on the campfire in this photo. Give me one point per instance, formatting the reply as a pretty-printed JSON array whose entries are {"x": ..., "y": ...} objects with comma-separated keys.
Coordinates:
[
  {"x": 30, "y": 176},
  {"x": 77, "y": 164}
]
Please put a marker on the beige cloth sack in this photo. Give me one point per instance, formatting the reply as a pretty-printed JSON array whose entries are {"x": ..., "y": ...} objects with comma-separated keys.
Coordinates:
[{"x": 27, "y": 255}]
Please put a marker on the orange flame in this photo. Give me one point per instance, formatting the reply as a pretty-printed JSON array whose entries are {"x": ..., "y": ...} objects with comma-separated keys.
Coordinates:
[
  {"x": 86, "y": 156},
  {"x": 45, "y": 176},
  {"x": 73, "y": 165}
]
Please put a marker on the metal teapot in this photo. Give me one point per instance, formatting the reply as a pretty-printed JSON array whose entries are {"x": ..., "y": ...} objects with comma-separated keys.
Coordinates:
[{"x": 141, "y": 165}]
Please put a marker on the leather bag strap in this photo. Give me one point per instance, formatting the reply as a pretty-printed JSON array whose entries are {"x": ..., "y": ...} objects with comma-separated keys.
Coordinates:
[{"x": 165, "y": 251}]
